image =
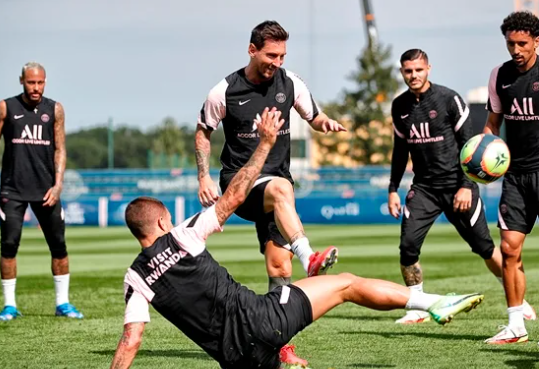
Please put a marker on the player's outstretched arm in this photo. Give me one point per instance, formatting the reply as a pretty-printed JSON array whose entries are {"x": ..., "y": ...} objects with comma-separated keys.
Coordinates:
[
  {"x": 323, "y": 123},
  {"x": 494, "y": 122},
  {"x": 53, "y": 194},
  {"x": 128, "y": 346},
  {"x": 240, "y": 186}
]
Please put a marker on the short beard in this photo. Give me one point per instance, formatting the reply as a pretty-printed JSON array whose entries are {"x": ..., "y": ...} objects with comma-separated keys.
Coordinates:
[{"x": 28, "y": 98}]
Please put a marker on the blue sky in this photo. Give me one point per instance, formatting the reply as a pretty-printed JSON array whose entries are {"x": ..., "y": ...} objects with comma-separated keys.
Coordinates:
[{"x": 139, "y": 61}]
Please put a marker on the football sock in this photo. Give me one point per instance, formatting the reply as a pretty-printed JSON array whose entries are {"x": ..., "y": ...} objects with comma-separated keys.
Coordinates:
[
  {"x": 516, "y": 317},
  {"x": 417, "y": 287},
  {"x": 420, "y": 300},
  {"x": 61, "y": 286},
  {"x": 275, "y": 282},
  {"x": 8, "y": 286},
  {"x": 302, "y": 249}
]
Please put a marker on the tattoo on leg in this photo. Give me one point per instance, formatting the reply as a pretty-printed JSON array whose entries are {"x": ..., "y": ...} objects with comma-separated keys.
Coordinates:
[
  {"x": 412, "y": 274},
  {"x": 296, "y": 236}
]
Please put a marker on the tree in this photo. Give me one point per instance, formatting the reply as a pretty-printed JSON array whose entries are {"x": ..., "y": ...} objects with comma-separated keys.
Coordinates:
[
  {"x": 364, "y": 110},
  {"x": 87, "y": 148}
]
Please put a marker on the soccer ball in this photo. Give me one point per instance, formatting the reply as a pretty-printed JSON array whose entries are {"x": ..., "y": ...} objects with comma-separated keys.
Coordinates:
[{"x": 485, "y": 158}]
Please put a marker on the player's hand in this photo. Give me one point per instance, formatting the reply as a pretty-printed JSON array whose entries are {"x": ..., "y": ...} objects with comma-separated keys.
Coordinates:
[
  {"x": 394, "y": 205},
  {"x": 207, "y": 191},
  {"x": 268, "y": 125},
  {"x": 463, "y": 200},
  {"x": 332, "y": 126},
  {"x": 52, "y": 196}
]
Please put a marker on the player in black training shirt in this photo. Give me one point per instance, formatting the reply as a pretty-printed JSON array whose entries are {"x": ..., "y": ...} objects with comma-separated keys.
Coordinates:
[
  {"x": 33, "y": 167},
  {"x": 235, "y": 101},
  {"x": 239, "y": 329},
  {"x": 431, "y": 123},
  {"x": 514, "y": 97}
]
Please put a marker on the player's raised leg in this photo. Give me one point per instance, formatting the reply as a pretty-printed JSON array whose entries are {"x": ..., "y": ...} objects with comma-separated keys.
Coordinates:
[
  {"x": 279, "y": 198},
  {"x": 327, "y": 292}
]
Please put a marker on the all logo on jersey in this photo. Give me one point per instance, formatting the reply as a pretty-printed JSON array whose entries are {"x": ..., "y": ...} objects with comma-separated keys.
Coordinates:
[
  {"x": 32, "y": 135},
  {"x": 280, "y": 97},
  {"x": 423, "y": 131},
  {"x": 36, "y": 133},
  {"x": 524, "y": 108},
  {"x": 421, "y": 134},
  {"x": 45, "y": 118}
]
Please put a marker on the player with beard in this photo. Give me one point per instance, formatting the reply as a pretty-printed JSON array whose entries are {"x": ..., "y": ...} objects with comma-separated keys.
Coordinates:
[
  {"x": 239, "y": 329},
  {"x": 431, "y": 124},
  {"x": 33, "y": 166},
  {"x": 513, "y": 97},
  {"x": 236, "y": 101}
]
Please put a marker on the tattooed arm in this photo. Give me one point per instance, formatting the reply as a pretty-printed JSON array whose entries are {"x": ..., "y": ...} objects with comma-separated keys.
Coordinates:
[
  {"x": 53, "y": 194},
  {"x": 207, "y": 190},
  {"x": 243, "y": 181},
  {"x": 128, "y": 346}
]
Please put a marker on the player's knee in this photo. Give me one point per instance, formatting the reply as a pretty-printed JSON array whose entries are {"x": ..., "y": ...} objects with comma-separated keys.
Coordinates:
[
  {"x": 9, "y": 250},
  {"x": 281, "y": 189},
  {"x": 349, "y": 276},
  {"x": 510, "y": 250},
  {"x": 279, "y": 267},
  {"x": 58, "y": 251}
]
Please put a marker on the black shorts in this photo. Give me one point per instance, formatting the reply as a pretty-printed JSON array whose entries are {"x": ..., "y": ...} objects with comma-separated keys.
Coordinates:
[
  {"x": 50, "y": 218},
  {"x": 519, "y": 204},
  {"x": 253, "y": 210},
  {"x": 424, "y": 205},
  {"x": 265, "y": 323}
]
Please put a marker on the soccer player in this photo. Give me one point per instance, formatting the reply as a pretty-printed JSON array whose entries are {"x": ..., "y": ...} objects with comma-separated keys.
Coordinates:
[
  {"x": 33, "y": 167},
  {"x": 235, "y": 101},
  {"x": 514, "y": 97},
  {"x": 431, "y": 123},
  {"x": 177, "y": 275}
]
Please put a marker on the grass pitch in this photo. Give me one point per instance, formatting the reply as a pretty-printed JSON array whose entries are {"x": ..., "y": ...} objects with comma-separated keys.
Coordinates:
[{"x": 348, "y": 337}]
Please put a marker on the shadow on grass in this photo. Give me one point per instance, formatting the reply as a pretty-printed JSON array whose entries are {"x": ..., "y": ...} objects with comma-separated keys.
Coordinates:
[
  {"x": 184, "y": 354},
  {"x": 371, "y": 366},
  {"x": 530, "y": 360},
  {"x": 443, "y": 336}
]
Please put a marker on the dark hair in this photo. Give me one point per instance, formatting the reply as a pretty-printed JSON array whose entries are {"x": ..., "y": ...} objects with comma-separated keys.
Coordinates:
[
  {"x": 268, "y": 30},
  {"x": 414, "y": 54},
  {"x": 141, "y": 212},
  {"x": 521, "y": 21}
]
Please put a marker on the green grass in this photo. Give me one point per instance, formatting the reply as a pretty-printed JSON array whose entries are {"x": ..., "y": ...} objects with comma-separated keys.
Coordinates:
[{"x": 348, "y": 337}]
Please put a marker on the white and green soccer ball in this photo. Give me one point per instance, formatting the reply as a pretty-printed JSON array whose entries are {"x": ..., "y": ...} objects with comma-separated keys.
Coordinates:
[{"x": 485, "y": 158}]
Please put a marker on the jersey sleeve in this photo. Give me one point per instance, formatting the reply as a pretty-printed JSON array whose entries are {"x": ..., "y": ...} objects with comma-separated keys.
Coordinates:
[
  {"x": 303, "y": 100},
  {"x": 399, "y": 157},
  {"x": 459, "y": 114},
  {"x": 137, "y": 306},
  {"x": 494, "y": 103},
  {"x": 192, "y": 233},
  {"x": 214, "y": 108}
]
